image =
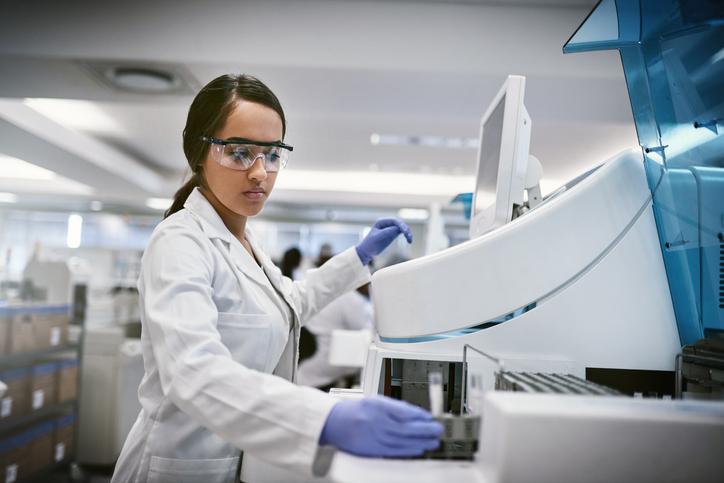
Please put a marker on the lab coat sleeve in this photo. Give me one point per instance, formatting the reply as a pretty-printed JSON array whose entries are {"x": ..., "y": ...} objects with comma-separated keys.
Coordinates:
[
  {"x": 259, "y": 413},
  {"x": 339, "y": 275}
]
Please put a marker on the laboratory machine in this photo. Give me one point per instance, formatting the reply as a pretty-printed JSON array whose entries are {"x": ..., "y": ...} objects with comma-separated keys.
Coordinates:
[{"x": 603, "y": 280}]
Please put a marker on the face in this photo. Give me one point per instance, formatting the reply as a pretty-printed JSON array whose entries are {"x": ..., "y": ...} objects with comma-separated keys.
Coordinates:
[{"x": 245, "y": 192}]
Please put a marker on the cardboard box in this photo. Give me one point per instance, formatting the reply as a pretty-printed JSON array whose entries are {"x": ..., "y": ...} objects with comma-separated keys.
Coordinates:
[
  {"x": 43, "y": 389},
  {"x": 21, "y": 335},
  {"x": 64, "y": 439},
  {"x": 16, "y": 401},
  {"x": 68, "y": 371},
  {"x": 5, "y": 318},
  {"x": 50, "y": 325},
  {"x": 15, "y": 457},
  {"x": 41, "y": 446}
]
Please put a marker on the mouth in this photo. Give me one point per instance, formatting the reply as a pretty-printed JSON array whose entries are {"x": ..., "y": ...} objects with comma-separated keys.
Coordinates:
[{"x": 254, "y": 194}]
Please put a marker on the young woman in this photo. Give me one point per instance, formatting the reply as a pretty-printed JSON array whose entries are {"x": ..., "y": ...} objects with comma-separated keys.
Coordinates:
[{"x": 221, "y": 323}]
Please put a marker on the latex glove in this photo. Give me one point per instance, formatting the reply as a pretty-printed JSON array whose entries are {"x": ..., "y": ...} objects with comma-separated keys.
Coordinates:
[
  {"x": 379, "y": 426},
  {"x": 383, "y": 232}
]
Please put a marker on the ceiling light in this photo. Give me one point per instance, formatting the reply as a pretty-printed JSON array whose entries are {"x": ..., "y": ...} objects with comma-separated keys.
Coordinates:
[
  {"x": 413, "y": 214},
  {"x": 143, "y": 79},
  {"x": 160, "y": 204},
  {"x": 75, "y": 231},
  {"x": 382, "y": 182},
  {"x": 375, "y": 182},
  {"x": 425, "y": 141},
  {"x": 8, "y": 198},
  {"x": 96, "y": 205},
  {"x": 15, "y": 168},
  {"x": 76, "y": 114}
]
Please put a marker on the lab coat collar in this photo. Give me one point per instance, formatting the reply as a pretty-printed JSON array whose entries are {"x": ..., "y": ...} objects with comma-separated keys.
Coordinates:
[
  {"x": 214, "y": 227},
  {"x": 211, "y": 222}
]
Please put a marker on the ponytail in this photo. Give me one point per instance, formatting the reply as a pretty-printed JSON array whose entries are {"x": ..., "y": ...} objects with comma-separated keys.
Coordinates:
[{"x": 182, "y": 195}]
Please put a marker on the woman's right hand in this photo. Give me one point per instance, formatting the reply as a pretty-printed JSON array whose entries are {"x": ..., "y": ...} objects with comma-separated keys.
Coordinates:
[{"x": 379, "y": 426}]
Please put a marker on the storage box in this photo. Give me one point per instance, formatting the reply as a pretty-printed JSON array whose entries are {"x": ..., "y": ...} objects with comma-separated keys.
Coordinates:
[
  {"x": 50, "y": 325},
  {"x": 67, "y": 380},
  {"x": 41, "y": 446},
  {"x": 43, "y": 389},
  {"x": 5, "y": 319},
  {"x": 15, "y": 457},
  {"x": 16, "y": 401},
  {"x": 21, "y": 336},
  {"x": 64, "y": 439}
]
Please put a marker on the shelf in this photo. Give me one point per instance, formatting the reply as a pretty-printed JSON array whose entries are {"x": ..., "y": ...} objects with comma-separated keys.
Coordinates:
[
  {"x": 12, "y": 423},
  {"x": 27, "y": 357}
]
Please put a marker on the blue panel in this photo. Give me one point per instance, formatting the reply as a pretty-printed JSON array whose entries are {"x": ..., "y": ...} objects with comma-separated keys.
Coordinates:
[
  {"x": 676, "y": 213},
  {"x": 672, "y": 53},
  {"x": 710, "y": 183}
]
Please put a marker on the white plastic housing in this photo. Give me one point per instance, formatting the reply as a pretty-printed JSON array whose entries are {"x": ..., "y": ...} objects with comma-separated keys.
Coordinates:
[{"x": 589, "y": 258}]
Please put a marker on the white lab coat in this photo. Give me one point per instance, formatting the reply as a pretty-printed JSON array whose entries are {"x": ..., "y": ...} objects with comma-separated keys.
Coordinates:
[
  {"x": 351, "y": 311},
  {"x": 216, "y": 326}
]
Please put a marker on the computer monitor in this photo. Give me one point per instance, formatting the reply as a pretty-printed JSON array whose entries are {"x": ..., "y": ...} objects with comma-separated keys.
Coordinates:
[{"x": 502, "y": 159}]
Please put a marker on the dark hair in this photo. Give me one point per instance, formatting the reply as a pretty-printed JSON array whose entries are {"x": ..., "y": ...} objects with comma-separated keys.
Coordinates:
[{"x": 207, "y": 115}]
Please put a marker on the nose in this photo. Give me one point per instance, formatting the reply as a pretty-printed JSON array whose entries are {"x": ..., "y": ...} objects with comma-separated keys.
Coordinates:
[{"x": 257, "y": 172}]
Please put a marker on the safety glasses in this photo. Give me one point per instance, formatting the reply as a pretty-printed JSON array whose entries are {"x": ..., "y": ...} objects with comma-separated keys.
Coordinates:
[{"x": 240, "y": 154}]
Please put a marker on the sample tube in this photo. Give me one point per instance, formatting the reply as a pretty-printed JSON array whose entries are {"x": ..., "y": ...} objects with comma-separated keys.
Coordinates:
[{"x": 434, "y": 380}]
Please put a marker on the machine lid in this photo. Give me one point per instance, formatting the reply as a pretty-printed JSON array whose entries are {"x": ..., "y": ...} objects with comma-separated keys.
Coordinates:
[{"x": 673, "y": 59}]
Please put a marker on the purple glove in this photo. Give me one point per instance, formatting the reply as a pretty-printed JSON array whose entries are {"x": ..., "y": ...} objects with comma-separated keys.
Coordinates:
[
  {"x": 380, "y": 426},
  {"x": 384, "y": 231}
]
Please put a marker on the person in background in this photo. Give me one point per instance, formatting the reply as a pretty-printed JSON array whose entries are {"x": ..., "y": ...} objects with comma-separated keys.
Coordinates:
[
  {"x": 325, "y": 253},
  {"x": 291, "y": 260},
  {"x": 351, "y": 311},
  {"x": 220, "y": 323}
]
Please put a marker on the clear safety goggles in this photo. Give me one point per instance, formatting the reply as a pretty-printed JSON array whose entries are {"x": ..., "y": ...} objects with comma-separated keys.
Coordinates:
[{"x": 240, "y": 154}]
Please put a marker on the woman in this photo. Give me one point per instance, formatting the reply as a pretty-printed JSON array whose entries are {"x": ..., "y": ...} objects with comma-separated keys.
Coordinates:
[{"x": 221, "y": 324}]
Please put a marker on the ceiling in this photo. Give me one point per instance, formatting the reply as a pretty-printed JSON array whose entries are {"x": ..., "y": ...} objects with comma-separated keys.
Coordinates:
[{"x": 343, "y": 69}]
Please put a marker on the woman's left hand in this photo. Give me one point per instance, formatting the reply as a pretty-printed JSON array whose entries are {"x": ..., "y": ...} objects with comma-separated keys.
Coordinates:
[{"x": 382, "y": 234}]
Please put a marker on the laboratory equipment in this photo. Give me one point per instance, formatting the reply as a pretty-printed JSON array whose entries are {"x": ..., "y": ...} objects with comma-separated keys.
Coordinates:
[
  {"x": 605, "y": 279},
  {"x": 112, "y": 369},
  {"x": 505, "y": 168}
]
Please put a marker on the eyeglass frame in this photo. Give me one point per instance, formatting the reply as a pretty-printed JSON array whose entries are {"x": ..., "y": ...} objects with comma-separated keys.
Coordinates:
[{"x": 224, "y": 142}]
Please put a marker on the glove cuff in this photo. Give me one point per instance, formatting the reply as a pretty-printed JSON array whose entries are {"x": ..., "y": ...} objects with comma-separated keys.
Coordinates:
[{"x": 363, "y": 257}]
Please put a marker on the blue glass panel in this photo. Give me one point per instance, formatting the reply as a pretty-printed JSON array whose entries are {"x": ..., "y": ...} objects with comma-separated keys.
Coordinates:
[
  {"x": 610, "y": 24},
  {"x": 672, "y": 53}
]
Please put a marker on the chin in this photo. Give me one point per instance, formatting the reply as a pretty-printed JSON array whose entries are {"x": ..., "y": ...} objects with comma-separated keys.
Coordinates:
[{"x": 249, "y": 210}]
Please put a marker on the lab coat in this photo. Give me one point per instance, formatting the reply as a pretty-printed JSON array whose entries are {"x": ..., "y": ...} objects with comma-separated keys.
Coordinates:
[
  {"x": 219, "y": 339},
  {"x": 351, "y": 311}
]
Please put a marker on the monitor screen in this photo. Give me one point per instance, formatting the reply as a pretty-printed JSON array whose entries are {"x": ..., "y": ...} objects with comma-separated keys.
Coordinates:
[{"x": 487, "y": 182}]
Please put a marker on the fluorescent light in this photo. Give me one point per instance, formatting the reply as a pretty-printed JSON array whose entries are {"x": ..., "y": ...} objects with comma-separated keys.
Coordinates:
[
  {"x": 159, "y": 203},
  {"x": 413, "y": 214},
  {"x": 375, "y": 182},
  {"x": 381, "y": 182},
  {"x": 8, "y": 198},
  {"x": 75, "y": 230},
  {"x": 425, "y": 141},
  {"x": 15, "y": 168},
  {"x": 76, "y": 114}
]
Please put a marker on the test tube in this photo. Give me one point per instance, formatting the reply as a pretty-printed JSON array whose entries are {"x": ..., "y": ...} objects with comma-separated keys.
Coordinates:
[{"x": 434, "y": 380}]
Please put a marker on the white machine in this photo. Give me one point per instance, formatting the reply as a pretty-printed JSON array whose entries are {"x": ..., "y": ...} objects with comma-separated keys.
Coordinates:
[{"x": 574, "y": 285}]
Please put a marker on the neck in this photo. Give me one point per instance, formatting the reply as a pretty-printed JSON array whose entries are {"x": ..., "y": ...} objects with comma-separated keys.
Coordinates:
[{"x": 234, "y": 222}]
